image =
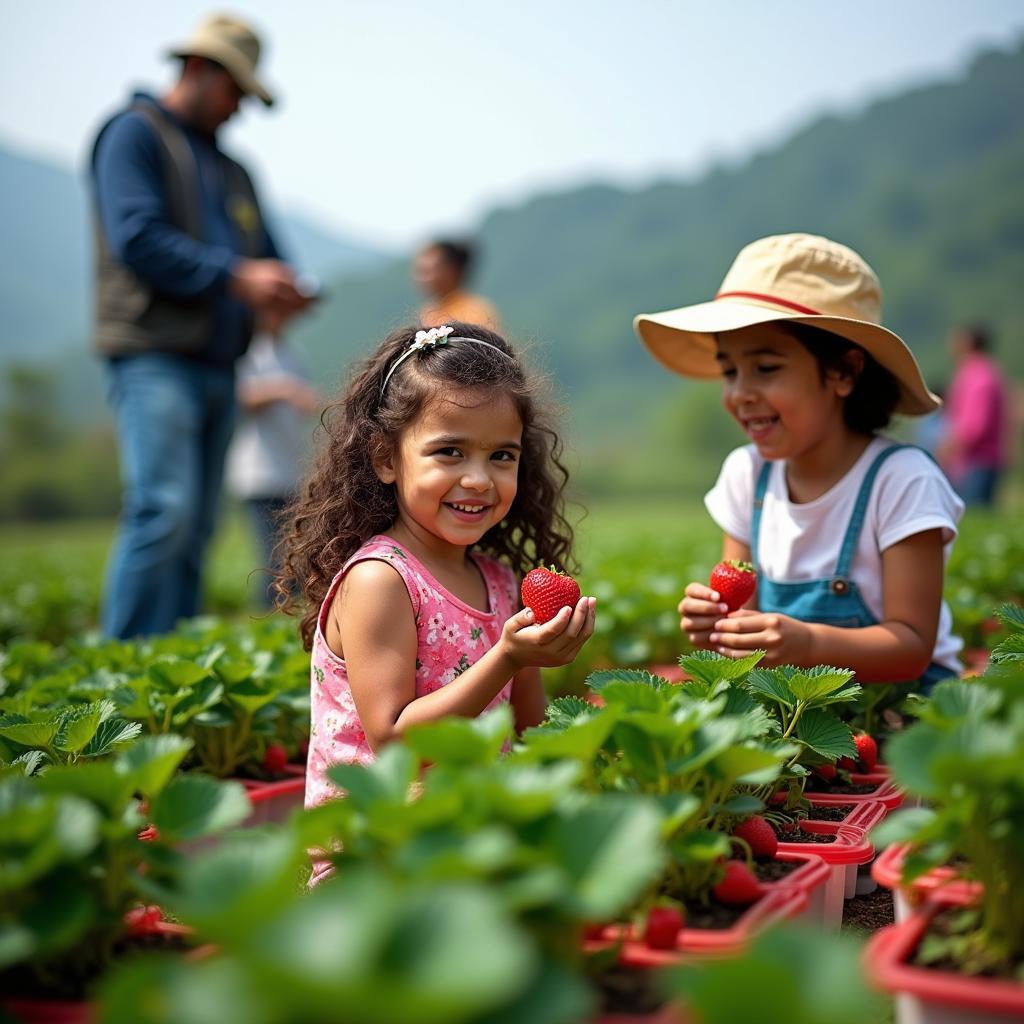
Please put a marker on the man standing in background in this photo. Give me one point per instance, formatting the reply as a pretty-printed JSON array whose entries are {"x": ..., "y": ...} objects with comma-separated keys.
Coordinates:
[
  {"x": 184, "y": 260},
  {"x": 975, "y": 449},
  {"x": 440, "y": 270}
]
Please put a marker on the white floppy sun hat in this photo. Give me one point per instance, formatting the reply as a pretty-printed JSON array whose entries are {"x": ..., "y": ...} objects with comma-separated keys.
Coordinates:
[{"x": 796, "y": 278}]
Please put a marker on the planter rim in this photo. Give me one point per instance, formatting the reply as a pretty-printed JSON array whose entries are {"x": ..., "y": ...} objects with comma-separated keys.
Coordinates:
[
  {"x": 867, "y": 815},
  {"x": 851, "y": 846},
  {"x": 258, "y": 791},
  {"x": 775, "y": 905},
  {"x": 885, "y": 792},
  {"x": 887, "y": 952},
  {"x": 887, "y": 870}
]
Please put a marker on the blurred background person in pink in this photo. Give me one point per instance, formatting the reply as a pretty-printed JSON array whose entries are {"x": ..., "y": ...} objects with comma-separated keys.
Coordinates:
[{"x": 975, "y": 449}]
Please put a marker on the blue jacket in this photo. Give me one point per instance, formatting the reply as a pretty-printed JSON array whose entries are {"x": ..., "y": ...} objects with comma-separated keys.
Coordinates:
[{"x": 133, "y": 212}]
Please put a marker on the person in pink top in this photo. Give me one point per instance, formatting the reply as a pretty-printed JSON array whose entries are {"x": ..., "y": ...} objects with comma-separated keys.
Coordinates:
[
  {"x": 974, "y": 450},
  {"x": 439, "y": 484}
]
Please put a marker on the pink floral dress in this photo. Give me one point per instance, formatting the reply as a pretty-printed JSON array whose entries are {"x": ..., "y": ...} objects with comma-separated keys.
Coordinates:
[{"x": 450, "y": 637}]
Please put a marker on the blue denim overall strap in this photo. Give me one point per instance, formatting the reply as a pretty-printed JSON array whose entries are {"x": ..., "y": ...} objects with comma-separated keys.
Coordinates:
[{"x": 835, "y": 601}]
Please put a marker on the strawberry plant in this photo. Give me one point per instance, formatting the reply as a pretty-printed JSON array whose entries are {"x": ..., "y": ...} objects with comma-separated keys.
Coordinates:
[
  {"x": 367, "y": 945},
  {"x": 73, "y": 866},
  {"x": 963, "y": 759},
  {"x": 555, "y": 856},
  {"x": 234, "y": 691},
  {"x": 63, "y": 735},
  {"x": 698, "y": 754},
  {"x": 799, "y": 705}
]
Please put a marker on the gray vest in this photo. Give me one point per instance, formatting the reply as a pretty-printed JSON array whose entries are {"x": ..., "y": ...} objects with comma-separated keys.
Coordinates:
[{"x": 130, "y": 315}]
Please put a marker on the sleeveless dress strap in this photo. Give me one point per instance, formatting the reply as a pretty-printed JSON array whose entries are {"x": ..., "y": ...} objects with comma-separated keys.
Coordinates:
[
  {"x": 856, "y": 523},
  {"x": 760, "y": 490}
]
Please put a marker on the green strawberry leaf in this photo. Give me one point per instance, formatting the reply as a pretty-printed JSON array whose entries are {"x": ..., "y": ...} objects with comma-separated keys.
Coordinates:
[
  {"x": 113, "y": 733},
  {"x": 819, "y": 681},
  {"x": 192, "y": 806},
  {"x": 598, "y": 681},
  {"x": 710, "y": 667},
  {"x": 772, "y": 684},
  {"x": 825, "y": 734}
]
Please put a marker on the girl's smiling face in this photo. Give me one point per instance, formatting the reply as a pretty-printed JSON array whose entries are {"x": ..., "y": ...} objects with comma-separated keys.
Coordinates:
[
  {"x": 773, "y": 387},
  {"x": 456, "y": 468}
]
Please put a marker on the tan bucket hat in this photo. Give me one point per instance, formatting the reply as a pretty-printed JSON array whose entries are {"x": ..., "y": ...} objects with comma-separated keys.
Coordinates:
[
  {"x": 800, "y": 278},
  {"x": 232, "y": 44}
]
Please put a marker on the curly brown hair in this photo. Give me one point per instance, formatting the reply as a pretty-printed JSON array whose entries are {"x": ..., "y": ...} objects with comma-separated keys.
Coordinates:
[{"x": 343, "y": 502}]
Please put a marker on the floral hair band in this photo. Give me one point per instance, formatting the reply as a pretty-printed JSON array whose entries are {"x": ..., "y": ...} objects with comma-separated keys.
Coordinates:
[{"x": 430, "y": 339}]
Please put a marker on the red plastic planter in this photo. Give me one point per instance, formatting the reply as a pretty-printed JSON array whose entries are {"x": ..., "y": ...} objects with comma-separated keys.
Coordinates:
[
  {"x": 886, "y": 792},
  {"x": 927, "y": 996},
  {"x": 850, "y": 848},
  {"x": 945, "y": 882},
  {"x": 81, "y": 1011},
  {"x": 776, "y": 905},
  {"x": 275, "y": 801},
  {"x": 810, "y": 880}
]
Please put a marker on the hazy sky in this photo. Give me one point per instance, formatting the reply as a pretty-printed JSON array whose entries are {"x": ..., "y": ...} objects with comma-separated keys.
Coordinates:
[{"x": 398, "y": 118}]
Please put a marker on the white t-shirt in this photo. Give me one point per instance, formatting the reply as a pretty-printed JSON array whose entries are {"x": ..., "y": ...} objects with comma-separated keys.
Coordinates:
[
  {"x": 271, "y": 445},
  {"x": 801, "y": 541}
]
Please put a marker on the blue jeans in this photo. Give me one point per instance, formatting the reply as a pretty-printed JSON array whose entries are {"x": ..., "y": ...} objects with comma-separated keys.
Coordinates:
[
  {"x": 174, "y": 418},
  {"x": 978, "y": 486}
]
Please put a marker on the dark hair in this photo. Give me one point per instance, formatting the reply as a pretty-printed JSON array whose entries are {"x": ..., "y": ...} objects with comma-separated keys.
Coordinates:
[
  {"x": 343, "y": 502},
  {"x": 876, "y": 392},
  {"x": 978, "y": 335},
  {"x": 460, "y": 255}
]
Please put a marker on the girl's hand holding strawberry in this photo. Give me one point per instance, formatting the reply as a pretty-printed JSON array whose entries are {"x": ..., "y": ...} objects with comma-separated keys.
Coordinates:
[
  {"x": 731, "y": 585},
  {"x": 788, "y": 641},
  {"x": 541, "y": 637}
]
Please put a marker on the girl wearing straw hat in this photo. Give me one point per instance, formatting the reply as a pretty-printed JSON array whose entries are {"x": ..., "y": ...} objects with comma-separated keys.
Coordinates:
[{"x": 848, "y": 529}]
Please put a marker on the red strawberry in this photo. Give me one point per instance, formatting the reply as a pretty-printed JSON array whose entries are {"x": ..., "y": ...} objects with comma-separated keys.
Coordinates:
[
  {"x": 759, "y": 835},
  {"x": 150, "y": 834},
  {"x": 143, "y": 920},
  {"x": 735, "y": 582},
  {"x": 825, "y": 771},
  {"x": 739, "y": 886},
  {"x": 663, "y": 927},
  {"x": 547, "y": 592},
  {"x": 847, "y": 764},
  {"x": 275, "y": 758},
  {"x": 867, "y": 750}
]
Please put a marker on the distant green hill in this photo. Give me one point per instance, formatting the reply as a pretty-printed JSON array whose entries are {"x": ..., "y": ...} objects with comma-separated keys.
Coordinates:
[{"x": 927, "y": 185}]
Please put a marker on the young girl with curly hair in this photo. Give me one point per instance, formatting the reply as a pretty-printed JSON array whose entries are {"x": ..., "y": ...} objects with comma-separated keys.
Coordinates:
[{"x": 440, "y": 481}]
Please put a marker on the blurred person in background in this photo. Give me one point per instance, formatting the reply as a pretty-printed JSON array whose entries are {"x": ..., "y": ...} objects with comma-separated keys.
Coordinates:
[
  {"x": 270, "y": 447},
  {"x": 441, "y": 269},
  {"x": 183, "y": 262},
  {"x": 975, "y": 448}
]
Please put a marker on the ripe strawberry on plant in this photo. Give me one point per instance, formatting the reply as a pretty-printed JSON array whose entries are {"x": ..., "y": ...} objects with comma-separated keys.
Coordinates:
[
  {"x": 825, "y": 772},
  {"x": 735, "y": 582},
  {"x": 274, "y": 759},
  {"x": 547, "y": 592},
  {"x": 867, "y": 750},
  {"x": 663, "y": 927},
  {"x": 143, "y": 920},
  {"x": 759, "y": 836},
  {"x": 739, "y": 886}
]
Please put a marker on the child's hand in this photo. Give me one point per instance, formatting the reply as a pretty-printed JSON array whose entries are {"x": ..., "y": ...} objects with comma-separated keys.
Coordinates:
[
  {"x": 787, "y": 640},
  {"x": 701, "y": 608},
  {"x": 554, "y": 643}
]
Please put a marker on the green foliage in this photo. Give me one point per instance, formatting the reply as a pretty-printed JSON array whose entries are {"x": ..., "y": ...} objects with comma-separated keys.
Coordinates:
[
  {"x": 72, "y": 862},
  {"x": 811, "y": 979},
  {"x": 232, "y": 689},
  {"x": 963, "y": 757}
]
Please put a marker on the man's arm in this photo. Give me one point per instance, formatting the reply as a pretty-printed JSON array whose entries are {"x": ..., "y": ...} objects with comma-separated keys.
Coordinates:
[{"x": 134, "y": 216}]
